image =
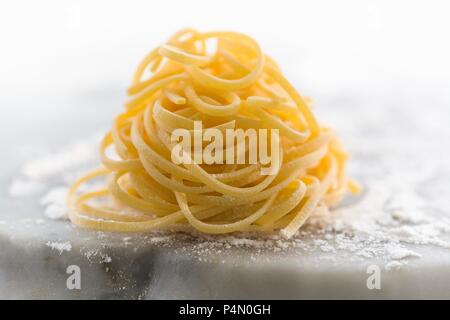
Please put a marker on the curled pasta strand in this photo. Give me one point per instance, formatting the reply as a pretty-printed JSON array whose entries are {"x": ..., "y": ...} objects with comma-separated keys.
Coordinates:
[{"x": 236, "y": 87}]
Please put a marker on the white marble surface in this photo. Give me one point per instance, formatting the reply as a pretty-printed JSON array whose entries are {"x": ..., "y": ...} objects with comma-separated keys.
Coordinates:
[{"x": 399, "y": 153}]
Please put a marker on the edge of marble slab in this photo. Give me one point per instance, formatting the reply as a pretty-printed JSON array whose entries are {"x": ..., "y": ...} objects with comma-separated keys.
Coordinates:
[{"x": 138, "y": 269}]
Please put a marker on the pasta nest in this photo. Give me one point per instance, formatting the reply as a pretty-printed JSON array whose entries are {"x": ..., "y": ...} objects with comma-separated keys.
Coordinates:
[{"x": 233, "y": 86}]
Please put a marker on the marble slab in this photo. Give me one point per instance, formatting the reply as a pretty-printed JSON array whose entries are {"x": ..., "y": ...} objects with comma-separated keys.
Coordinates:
[{"x": 399, "y": 227}]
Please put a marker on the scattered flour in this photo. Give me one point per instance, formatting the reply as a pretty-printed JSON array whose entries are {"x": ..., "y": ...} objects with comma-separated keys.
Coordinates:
[
  {"x": 96, "y": 255},
  {"x": 59, "y": 246},
  {"x": 398, "y": 253},
  {"x": 55, "y": 203},
  {"x": 38, "y": 175},
  {"x": 72, "y": 156},
  {"x": 404, "y": 204},
  {"x": 394, "y": 265}
]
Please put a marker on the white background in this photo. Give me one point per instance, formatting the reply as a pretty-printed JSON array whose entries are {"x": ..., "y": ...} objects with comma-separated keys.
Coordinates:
[{"x": 62, "y": 56}]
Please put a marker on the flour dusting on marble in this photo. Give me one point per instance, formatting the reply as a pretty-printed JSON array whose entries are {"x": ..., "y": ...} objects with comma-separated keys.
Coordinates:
[
  {"x": 54, "y": 202},
  {"x": 38, "y": 176},
  {"x": 403, "y": 167},
  {"x": 60, "y": 162},
  {"x": 59, "y": 246},
  {"x": 96, "y": 255}
]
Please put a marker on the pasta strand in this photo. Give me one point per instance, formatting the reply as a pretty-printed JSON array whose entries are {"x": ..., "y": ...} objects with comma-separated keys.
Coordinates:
[{"x": 237, "y": 87}]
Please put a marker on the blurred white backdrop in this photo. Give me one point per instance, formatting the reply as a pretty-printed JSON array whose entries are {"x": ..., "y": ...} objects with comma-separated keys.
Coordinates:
[
  {"x": 54, "y": 52},
  {"x": 324, "y": 45}
]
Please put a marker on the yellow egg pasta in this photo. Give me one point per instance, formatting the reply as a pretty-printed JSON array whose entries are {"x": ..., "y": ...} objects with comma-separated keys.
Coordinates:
[{"x": 181, "y": 84}]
